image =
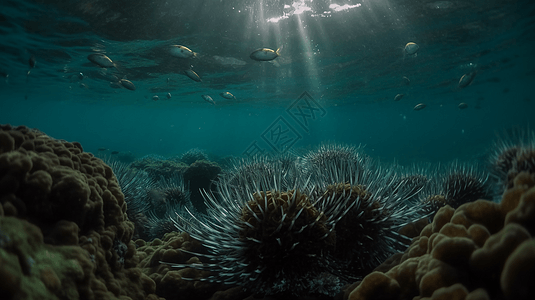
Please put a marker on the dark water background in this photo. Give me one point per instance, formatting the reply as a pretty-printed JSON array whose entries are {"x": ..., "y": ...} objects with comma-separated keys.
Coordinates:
[{"x": 350, "y": 62}]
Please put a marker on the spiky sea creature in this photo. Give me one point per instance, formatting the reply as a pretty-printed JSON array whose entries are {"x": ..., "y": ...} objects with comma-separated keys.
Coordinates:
[
  {"x": 266, "y": 239},
  {"x": 380, "y": 204},
  {"x": 135, "y": 186},
  {"x": 456, "y": 184},
  {"x": 168, "y": 196},
  {"x": 327, "y": 156},
  {"x": 246, "y": 172},
  {"x": 514, "y": 152}
]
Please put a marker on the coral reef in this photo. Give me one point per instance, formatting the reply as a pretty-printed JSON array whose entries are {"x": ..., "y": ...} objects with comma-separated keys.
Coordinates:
[
  {"x": 74, "y": 198},
  {"x": 481, "y": 250},
  {"x": 173, "y": 283},
  {"x": 274, "y": 227}
]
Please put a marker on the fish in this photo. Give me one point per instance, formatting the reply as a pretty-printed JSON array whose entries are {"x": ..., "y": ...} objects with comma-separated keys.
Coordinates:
[
  {"x": 463, "y": 105},
  {"x": 127, "y": 84},
  {"x": 406, "y": 80},
  {"x": 155, "y": 98},
  {"x": 265, "y": 54},
  {"x": 466, "y": 79},
  {"x": 209, "y": 99},
  {"x": 398, "y": 97},
  {"x": 102, "y": 149},
  {"x": 168, "y": 95},
  {"x": 101, "y": 60},
  {"x": 227, "y": 95},
  {"x": 181, "y": 51},
  {"x": 114, "y": 152},
  {"x": 411, "y": 48},
  {"x": 191, "y": 74},
  {"x": 419, "y": 106}
]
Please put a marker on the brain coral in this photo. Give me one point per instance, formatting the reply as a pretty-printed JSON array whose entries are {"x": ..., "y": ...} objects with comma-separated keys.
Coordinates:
[
  {"x": 482, "y": 250},
  {"x": 74, "y": 199}
]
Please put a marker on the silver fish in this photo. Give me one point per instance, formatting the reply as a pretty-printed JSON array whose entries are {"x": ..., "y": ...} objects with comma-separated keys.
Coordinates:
[
  {"x": 419, "y": 106},
  {"x": 127, "y": 84},
  {"x": 411, "y": 48},
  {"x": 101, "y": 60},
  {"x": 265, "y": 54},
  {"x": 406, "y": 80},
  {"x": 209, "y": 99},
  {"x": 181, "y": 51},
  {"x": 155, "y": 98},
  {"x": 463, "y": 105},
  {"x": 398, "y": 97},
  {"x": 227, "y": 95},
  {"x": 466, "y": 79},
  {"x": 168, "y": 95},
  {"x": 191, "y": 74}
]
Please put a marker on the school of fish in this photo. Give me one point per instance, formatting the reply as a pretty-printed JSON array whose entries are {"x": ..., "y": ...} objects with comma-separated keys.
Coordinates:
[{"x": 260, "y": 54}]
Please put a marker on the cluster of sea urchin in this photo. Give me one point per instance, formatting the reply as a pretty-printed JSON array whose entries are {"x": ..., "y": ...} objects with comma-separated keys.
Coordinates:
[
  {"x": 268, "y": 240},
  {"x": 274, "y": 233},
  {"x": 168, "y": 197}
]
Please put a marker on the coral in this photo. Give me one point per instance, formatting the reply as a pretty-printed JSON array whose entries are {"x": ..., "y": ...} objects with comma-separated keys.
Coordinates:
[
  {"x": 174, "y": 247},
  {"x": 481, "y": 250},
  {"x": 34, "y": 270},
  {"x": 518, "y": 273},
  {"x": 75, "y": 200}
]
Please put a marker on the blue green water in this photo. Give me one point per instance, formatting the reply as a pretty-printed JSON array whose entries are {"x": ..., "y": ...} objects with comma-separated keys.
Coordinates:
[{"x": 350, "y": 61}]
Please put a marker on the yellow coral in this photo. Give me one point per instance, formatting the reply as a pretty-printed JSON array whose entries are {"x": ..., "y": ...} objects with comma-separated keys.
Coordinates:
[{"x": 484, "y": 245}]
